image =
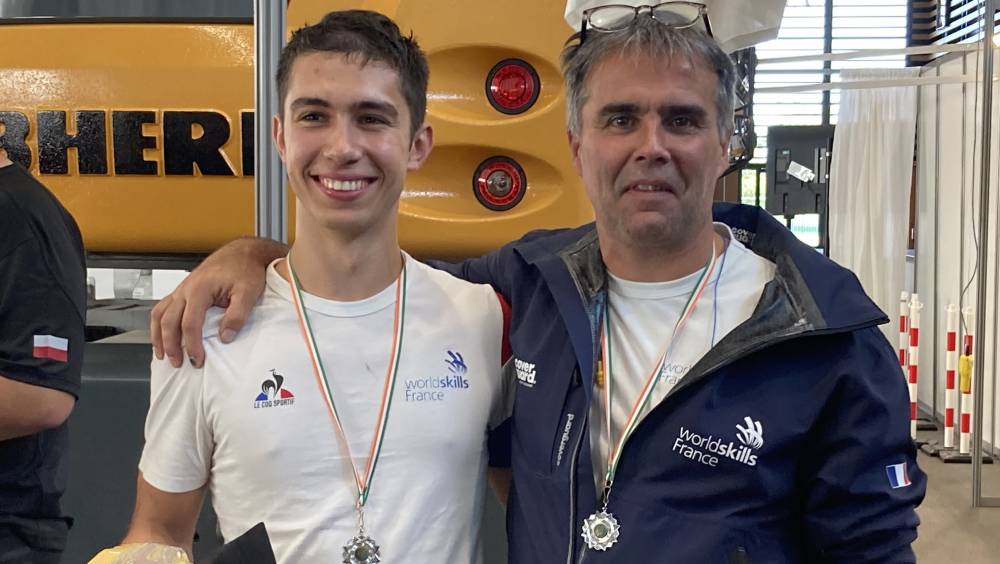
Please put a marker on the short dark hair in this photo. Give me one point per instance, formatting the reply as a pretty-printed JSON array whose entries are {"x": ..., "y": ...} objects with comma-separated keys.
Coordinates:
[
  {"x": 368, "y": 36},
  {"x": 646, "y": 36}
]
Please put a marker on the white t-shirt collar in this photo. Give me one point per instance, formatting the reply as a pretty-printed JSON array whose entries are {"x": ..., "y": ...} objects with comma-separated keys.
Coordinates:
[
  {"x": 383, "y": 299},
  {"x": 671, "y": 288}
]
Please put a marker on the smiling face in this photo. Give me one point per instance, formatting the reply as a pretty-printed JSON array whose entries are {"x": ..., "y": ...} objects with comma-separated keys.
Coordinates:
[
  {"x": 344, "y": 136},
  {"x": 649, "y": 149}
]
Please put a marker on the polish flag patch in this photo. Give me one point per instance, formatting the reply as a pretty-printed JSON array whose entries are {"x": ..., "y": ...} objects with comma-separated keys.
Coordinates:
[
  {"x": 51, "y": 347},
  {"x": 898, "y": 478}
]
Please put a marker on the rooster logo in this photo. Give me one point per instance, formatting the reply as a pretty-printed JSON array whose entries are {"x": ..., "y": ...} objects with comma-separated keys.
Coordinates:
[{"x": 271, "y": 388}]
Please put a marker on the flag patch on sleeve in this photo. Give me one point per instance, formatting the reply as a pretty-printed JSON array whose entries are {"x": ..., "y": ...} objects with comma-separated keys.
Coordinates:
[
  {"x": 898, "y": 478},
  {"x": 51, "y": 347}
]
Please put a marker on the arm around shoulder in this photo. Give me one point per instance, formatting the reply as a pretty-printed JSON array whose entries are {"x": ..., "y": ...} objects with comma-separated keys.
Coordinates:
[
  {"x": 233, "y": 278},
  {"x": 494, "y": 268}
]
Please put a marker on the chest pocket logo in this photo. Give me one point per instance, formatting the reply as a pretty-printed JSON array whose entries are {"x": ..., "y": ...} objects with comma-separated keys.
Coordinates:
[
  {"x": 439, "y": 387},
  {"x": 272, "y": 394},
  {"x": 525, "y": 373}
]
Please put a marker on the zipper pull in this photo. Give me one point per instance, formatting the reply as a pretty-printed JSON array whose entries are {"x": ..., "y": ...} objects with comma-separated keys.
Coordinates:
[{"x": 739, "y": 556}]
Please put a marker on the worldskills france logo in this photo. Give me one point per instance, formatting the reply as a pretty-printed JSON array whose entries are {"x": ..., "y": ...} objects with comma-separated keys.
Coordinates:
[
  {"x": 436, "y": 388},
  {"x": 711, "y": 450},
  {"x": 272, "y": 394}
]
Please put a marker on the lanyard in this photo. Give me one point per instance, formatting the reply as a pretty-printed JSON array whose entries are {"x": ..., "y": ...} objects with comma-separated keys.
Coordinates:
[
  {"x": 363, "y": 482},
  {"x": 615, "y": 449}
]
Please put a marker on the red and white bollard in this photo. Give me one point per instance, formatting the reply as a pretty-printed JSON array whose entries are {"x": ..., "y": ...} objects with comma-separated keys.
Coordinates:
[
  {"x": 965, "y": 380},
  {"x": 904, "y": 328},
  {"x": 915, "y": 307},
  {"x": 951, "y": 367}
]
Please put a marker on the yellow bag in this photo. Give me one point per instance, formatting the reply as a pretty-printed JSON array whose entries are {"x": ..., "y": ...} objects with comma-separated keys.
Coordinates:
[
  {"x": 965, "y": 373},
  {"x": 145, "y": 553}
]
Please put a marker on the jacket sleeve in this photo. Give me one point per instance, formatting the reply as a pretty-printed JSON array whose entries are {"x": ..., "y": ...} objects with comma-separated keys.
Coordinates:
[
  {"x": 860, "y": 473},
  {"x": 493, "y": 268}
]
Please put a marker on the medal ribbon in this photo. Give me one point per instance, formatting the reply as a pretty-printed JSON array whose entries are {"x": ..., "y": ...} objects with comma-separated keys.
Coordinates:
[
  {"x": 364, "y": 483},
  {"x": 614, "y": 454}
]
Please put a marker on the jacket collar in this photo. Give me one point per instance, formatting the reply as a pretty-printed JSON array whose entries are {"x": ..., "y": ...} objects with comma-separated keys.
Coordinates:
[
  {"x": 821, "y": 294},
  {"x": 824, "y": 294}
]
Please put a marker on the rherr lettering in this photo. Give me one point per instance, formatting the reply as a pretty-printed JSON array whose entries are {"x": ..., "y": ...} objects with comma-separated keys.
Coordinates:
[{"x": 191, "y": 140}]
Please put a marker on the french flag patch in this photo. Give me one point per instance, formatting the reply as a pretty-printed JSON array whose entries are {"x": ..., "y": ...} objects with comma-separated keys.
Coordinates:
[
  {"x": 51, "y": 347},
  {"x": 898, "y": 478}
]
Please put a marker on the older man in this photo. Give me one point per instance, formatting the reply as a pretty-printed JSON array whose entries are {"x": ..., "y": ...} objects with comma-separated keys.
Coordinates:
[{"x": 689, "y": 390}]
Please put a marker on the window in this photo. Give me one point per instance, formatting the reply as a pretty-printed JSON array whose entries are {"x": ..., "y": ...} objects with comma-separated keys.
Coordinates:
[
  {"x": 812, "y": 27},
  {"x": 958, "y": 21},
  {"x": 854, "y": 25},
  {"x": 871, "y": 24}
]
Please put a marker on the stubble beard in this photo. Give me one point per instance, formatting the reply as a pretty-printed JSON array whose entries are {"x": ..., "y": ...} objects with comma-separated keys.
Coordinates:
[
  {"x": 669, "y": 234},
  {"x": 673, "y": 232}
]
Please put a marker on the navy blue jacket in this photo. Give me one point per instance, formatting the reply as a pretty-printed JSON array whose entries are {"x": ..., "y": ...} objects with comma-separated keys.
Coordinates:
[{"x": 810, "y": 366}]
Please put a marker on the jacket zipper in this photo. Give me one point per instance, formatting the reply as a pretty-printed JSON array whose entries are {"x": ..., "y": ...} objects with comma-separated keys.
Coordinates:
[
  {"x": 740, "y": 556},
  {"x": 582, "y": 555},
  {"x": 773, "y": 340},
  {"x": 591, "y": 308},
  {"x": 572, "y": 487}
]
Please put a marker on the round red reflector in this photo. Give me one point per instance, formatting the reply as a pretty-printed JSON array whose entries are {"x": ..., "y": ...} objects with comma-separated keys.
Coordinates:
[
  {"x": 512, "y": 86},
  {"x": 499, "y": 183}
]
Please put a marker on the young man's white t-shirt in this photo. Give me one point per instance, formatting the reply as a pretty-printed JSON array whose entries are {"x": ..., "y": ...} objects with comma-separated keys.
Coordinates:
[
  {"x": 271, "y": 453},
  {"x": 643, "y": 315}
]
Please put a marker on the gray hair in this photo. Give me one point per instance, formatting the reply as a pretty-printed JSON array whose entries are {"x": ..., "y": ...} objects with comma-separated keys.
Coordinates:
[{"x": 648, "y": 37}]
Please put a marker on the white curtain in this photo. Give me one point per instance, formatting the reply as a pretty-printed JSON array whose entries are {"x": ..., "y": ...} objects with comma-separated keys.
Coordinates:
[{"x": 870, "y": 178}]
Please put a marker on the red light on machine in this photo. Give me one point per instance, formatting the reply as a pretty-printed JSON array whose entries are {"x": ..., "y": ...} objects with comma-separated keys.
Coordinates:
[
  {"x": 512, "y": 86},
  {"x": 499, "y": 183}
]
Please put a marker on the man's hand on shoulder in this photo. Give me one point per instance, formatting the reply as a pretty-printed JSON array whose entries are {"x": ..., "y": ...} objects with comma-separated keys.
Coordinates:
[{"x": 232, "y": 278}]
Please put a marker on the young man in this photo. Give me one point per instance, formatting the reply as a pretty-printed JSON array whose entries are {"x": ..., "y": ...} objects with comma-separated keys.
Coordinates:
[
  {"x": 696, "y": 385},
  {"x": 42, "y": 307},
  {"x": 347, "y": 417}
]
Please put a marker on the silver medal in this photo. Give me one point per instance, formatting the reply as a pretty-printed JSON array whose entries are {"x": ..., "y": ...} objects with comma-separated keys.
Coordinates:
[
  {"x": 600, "y": 530},
  {"x": 361, "y": 550}
]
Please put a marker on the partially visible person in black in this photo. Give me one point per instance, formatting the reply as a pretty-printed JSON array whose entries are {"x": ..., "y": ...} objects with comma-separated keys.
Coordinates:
[{"x": 42, "y": 320}]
